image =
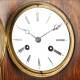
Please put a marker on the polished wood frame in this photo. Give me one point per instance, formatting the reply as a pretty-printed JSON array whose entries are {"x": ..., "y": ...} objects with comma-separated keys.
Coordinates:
[{"x": 3, "y": 41}]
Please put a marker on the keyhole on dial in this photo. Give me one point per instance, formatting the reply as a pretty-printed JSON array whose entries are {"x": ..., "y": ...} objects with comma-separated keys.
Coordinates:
[
  {"x": 50, "y": 48},
  {"x": 27, "y": 47}
]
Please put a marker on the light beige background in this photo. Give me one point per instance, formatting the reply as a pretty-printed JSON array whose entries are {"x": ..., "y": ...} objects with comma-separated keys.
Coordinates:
[{"x": 9, "y": 6}]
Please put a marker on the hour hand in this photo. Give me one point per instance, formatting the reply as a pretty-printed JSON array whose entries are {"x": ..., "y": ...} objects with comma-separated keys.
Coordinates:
[{"x": 27, "y": 32}]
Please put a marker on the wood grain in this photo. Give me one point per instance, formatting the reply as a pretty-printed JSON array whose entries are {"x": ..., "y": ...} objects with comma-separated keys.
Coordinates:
[{"x": 71, "y": 72}]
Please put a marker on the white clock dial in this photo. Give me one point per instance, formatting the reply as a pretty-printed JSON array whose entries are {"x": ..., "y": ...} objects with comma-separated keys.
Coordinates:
[{"x": 40, "y": 39}]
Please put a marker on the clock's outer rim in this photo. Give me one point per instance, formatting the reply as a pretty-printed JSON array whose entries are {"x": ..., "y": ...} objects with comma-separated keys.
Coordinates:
[{"x": 11, "y": 51}]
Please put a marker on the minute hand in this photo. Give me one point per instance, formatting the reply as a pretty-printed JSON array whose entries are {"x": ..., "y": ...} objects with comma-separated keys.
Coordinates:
[{"x": 55, "y": 28}]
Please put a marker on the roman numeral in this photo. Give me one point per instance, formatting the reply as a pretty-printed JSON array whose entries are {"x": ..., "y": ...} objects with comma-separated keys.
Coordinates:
[
  {"x": 48, "y": 19},
  {"x": 60, "y": 39},
  {"x": 20, "y": 50},
  {"x": 28, "y": 59},
  {"x": 50, "y": 60},
  {"x": 59, "y": 53},
  {"x": 27, "y": 19},
  {"x": 37, "y": 16},
  {"x": 17, "y": 39},
  {"x": 39, "y": 64}
]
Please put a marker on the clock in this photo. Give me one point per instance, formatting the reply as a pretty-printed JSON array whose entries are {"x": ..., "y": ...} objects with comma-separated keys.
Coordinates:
[{"x": 40, "y": 39}]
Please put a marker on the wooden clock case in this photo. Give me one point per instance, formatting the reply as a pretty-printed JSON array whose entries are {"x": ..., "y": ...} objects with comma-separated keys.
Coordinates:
[{"x": 72, "y": 71}]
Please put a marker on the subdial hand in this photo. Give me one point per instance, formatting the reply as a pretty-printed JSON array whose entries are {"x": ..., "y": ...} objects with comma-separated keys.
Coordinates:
[{"x": 55, "y": 28}]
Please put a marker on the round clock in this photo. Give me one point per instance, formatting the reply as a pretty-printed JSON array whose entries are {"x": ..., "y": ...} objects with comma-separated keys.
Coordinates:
[{"x": 40, "y": 39}]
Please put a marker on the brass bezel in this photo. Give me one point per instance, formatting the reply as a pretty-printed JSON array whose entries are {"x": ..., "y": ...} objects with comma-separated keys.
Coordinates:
[{"x": 14, "y": 58}]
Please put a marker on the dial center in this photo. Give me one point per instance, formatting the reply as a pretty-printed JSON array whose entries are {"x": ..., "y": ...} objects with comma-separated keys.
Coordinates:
[{"x": 38, "y": 39}]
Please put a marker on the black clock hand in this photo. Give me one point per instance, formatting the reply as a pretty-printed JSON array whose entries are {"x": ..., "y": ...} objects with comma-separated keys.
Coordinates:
[
  {"x": 27, "y": 32},
  {"x": 37, "y": 39},
  {"x": 55, "y": 28}
]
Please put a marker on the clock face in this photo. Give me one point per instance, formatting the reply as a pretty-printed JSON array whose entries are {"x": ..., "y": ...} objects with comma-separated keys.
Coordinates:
[{"x": 41, "y": 40}]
